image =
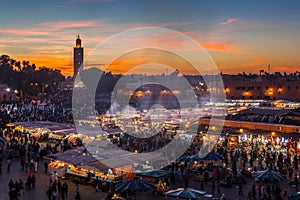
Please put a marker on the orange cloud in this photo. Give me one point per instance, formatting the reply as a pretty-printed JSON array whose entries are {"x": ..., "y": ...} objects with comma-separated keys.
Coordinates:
[
  {"x": 229, "y": 21},
  {"x": 224, "y": 47},
  {"x": 153, "y": 57},
  {"x": 248, "y": 24},
  {"x": 71, "y": 24},
  {"x": 51, "y": 43},
  {"x": 288, "y": 69},
  {"x": 258, "y": 61},
  {"x": 23, "y": 32}
]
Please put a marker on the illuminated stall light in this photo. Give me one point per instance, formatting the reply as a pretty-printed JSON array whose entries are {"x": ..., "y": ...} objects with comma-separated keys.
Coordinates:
[{"x": 273, "y": 133}]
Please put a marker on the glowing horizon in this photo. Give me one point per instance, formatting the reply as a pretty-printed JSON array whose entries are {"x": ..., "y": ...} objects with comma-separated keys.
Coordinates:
[{"x": 247, "y": 40}]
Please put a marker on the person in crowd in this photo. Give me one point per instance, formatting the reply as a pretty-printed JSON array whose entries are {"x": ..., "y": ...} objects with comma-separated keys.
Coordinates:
[
  {"x": 240, "y": 189},
  {"x": 13, "y": 194},
  {"x": 63, "y": 193},
  {"x": 46, "y": 166},
  {"x": 1, "y": 161},
  {"x": 11, "y": 184},
  {"x": 77, "y": 197},
  {"x": 17, "y": 188},
  {"x": 9, "y": 161},
  {"x": 218, "y": 187},
  {"x": 295, "y": 161},
  {"x": 22, "y": 187},
  {"x": 59, "y": 186},
  {"x": 54, "y": 194},
  {"x": 66, "y": 189},
  {"x": 253, "y": 191},
  {"x": 49, "y": 193},
  {"x": 213, "y": 186},
  {"x": 33, "y": 181},
  {"x": 296, "y": 180}
]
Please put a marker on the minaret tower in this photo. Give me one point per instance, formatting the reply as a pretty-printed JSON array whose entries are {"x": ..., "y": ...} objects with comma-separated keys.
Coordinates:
[{"x": 78, "y": 56}]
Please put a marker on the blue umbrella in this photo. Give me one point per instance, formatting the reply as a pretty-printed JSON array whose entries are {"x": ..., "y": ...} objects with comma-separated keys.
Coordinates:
[
  {"x": 185, "y": 193},
  {"x": 189, "y": 158},
  {"x": 269, "y": 175},
  {"x": 154, "y": 173},
  {"x": 212, "y": 156},
  {"x": 134, "y": 185},
  {"x": 295, "y": 196},
  {"x": 2, "y": 139}
]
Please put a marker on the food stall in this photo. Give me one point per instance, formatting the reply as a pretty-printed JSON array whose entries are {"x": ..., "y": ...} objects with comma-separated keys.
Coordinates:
[
  {"x": 87, "y": 173},
  {"x": 172, "y": 125},
  {"x": 76, "y": 169},
  {"x": 54, "y": 136},
  {"x": 107, "y": 121},
  {"x": 79, "y": 174},
  {"x": 72, "y": 159},
  {"x": 161, "y": 187},
  {"x": 109, "y": 177},
  {"x": 58, "y": 166},
  {"x": 74, "y": 139},
  {"x": 40, "y": 133},
  {"x": 40, "y": 129}
]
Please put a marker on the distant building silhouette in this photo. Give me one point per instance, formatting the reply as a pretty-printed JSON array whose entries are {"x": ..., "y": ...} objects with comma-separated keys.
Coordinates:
[
  {"x": 263, "y": 87},
  {"x": 78, "y": 56},
  {"x": 6, "y": 94}
]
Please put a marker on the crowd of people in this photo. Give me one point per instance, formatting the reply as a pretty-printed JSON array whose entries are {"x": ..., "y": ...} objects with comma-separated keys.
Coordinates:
[
  {"x": 57, "y": 189},
  {"x": 131, "y": 143},
  {"x": 29, "y": 153},
  {"x": 239, "y": 162},
  {"x": 49, "y": 108}
]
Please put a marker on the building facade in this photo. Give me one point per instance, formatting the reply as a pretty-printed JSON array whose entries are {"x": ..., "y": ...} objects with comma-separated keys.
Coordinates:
[
  {"x": 268, "y": 87},
  {"x": 6, "y": 94}
]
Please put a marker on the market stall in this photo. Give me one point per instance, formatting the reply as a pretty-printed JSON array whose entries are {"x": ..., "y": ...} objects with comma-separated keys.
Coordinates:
[
  {"x": 115, "y": 177},
  {"x": 72, "y": 161},
  {"x": 78, "y": 174},
  {"x": 57, "y": 166},
  {"x": 54, "y": 136},
  {"x": 101, "y": 172}
]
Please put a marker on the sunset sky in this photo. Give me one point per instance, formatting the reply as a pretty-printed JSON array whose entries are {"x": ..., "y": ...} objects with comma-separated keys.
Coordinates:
[{"x": 238, "y": 35}]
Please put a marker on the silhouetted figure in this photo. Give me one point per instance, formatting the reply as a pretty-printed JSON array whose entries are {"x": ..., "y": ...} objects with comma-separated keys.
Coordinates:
[
  {"x": 213, "y": 186},
  {"x": 66, "y": 189},
  {"x": 77, "y": 197},
  {"x": 240, "y": 189},
  {"x": 8, "y": 164},
  {"x": 296, "y": 181},
  {"x": 49, "y": 193}
]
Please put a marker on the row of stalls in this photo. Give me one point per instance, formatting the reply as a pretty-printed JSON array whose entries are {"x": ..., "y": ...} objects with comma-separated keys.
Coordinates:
[
  {"x": 43, "y": 130},
  {"x": 78, "y": 165},
  {"x": 100, "y": 162},
  {"x": 234, "y": 138}
]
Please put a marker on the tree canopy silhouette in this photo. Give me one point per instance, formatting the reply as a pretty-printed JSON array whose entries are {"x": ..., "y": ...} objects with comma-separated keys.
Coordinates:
[{"x": 28, "y": 78}]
